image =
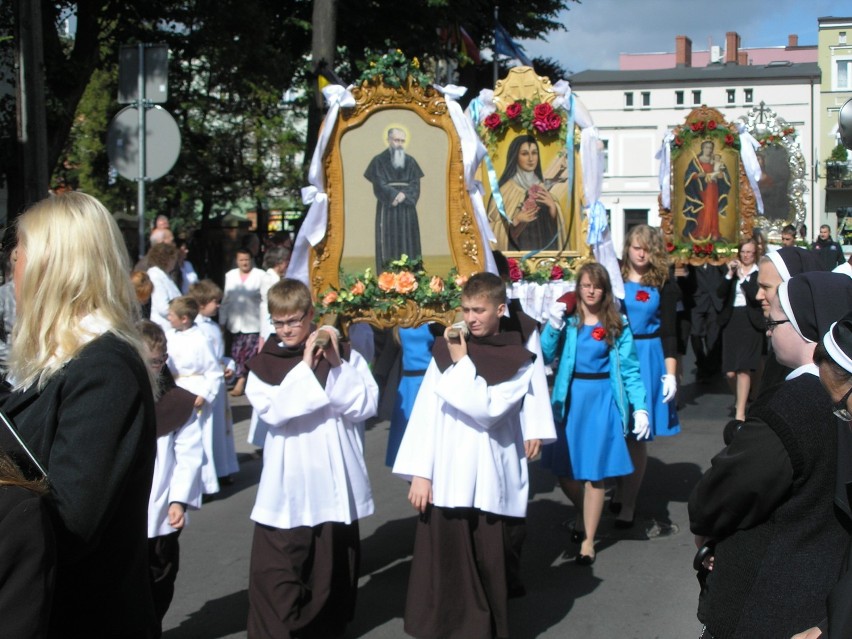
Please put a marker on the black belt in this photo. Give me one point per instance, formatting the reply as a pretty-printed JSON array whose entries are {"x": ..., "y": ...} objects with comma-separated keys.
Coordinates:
[
  {"x": 591, "y": 375},
  {"x": 647, "y": 335},
  {"x": 418, "y": 373}
]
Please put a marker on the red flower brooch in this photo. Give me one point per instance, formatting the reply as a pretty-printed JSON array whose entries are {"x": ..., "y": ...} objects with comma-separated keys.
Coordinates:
[
  {"x": 642, "y": 296},
  {"x": 599, "y": 333}
]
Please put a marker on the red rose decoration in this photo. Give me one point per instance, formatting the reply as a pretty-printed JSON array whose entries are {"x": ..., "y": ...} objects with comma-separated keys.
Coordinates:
[
  {"x": 513, "y": 110},
  {"x": 599, "y": 333},
  {"x": 554, "y": 121},
  {"x": 697, "y": 249},
  {"x": 541, "y": 125},
  {"x": 695, "y": 126},
  {"x": 701, "y": 125},
  {"x": 678, "y": 141},
  {"x": 709, "y": 248},
  {"x": 642, "y": 296},
  {"x": 493, "y": 121},
  {"x": 541, "y": 111},
  {"x": 515, "y": 273},
  {"x": 729, "y": 139},
  {"x": 670, "y": 247},
  {"x": 711, "y": 125},
  {"x": 556, "y": 273}
]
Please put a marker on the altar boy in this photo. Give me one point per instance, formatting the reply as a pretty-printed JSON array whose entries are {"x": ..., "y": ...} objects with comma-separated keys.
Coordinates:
[
  {"x": 176, "y": 486},
  {"x": 314, "y": 486},
  {"x": 464, "y": 453}
]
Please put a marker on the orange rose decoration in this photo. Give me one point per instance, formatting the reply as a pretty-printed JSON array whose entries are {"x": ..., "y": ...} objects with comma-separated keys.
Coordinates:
[
  {"x": 387, "y": 281},
  {"x": 358, "y": 288},
  {"x": 406, "y": 282},
  {"x": 330, "y": 298},
  {"x": 436, "y": 284}
]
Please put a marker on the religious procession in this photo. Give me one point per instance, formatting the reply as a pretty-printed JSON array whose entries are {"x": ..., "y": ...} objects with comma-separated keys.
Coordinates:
[{"x": 528, "y": 360}]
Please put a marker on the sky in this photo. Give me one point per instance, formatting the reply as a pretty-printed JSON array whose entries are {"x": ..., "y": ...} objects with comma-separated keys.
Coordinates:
[{"x": 598, "y": 30}]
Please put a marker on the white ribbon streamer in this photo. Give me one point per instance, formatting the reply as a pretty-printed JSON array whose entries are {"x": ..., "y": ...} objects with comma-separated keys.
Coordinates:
[
  {"x": 664, "y": 155},
  {"x": 472, "y": 153},
  {"x": 748, "y": 145},
  {"x": 316, "y": 221}
]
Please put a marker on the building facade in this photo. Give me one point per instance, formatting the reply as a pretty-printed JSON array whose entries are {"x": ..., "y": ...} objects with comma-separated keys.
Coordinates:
[{"x": 634, "y": 108}]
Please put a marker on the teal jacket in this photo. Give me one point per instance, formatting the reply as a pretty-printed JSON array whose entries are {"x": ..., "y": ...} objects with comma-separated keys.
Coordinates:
[{"x": 627, "y": 387}]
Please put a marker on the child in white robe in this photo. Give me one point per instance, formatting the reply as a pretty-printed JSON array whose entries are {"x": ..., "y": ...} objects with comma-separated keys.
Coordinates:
[
  {"x": 176, "y": 485},
  {"x": 314, "y": 486},
  {"x": 482, "y": 410},
  {"x": 196, "y": 369},
  {"x": 209, "y": 296}
]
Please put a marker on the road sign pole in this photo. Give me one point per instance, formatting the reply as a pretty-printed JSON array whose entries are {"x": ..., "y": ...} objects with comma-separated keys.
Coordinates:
[{"x": 140, "y": 101}]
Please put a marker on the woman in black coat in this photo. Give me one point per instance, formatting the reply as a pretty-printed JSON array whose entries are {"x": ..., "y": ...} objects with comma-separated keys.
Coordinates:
[
  {"x": 743, "y": 325},
  {"x": 82, "y": 400}
]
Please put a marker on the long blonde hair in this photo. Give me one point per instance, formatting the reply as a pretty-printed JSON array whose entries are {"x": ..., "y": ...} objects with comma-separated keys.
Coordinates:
[
  {"x": 76, "y": 267},
  {"x": 650, "y": 239}
]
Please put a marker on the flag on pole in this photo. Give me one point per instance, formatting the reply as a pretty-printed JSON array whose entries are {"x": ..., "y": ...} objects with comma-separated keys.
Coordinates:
[{"x": 504, "y": 45}]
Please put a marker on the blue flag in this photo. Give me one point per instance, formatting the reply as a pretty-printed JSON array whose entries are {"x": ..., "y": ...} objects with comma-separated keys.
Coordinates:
[{"x": 504, "y": 45}]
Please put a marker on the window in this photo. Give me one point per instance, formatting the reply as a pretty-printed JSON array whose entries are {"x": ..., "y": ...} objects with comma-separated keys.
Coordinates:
[
  {"x": 843, "y": 75},
  {"x": 749, "y": 95},
  {"x": 696, "y": 97},
  {"x": 841, "y": 37},
  {"x": 605, "y": 154},
  {"x": 679, "y": 98},
  {"x": 646, "y": 98},
  {"x": 732, "y": 96},
  {"x": 634, "y": 217},
  {"x": 628, "y": 98}
]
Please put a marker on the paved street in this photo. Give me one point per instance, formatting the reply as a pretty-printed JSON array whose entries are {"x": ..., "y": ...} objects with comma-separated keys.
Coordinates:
[{"x": 641, "y": 586}]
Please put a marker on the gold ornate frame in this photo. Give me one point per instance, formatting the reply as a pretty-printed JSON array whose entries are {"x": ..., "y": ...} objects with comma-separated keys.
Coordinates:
[
  {"x": 743, "y": 202},
  {"x": 522, "y": 83},
  {"x": 465, "y": 248}
]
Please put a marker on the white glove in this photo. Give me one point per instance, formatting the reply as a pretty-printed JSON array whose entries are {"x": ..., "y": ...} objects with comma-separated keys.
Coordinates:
[
  {"x": 641, "y": 424},
  {"x": 669, "y": 388},
  {"x": 557, "y": 315}
]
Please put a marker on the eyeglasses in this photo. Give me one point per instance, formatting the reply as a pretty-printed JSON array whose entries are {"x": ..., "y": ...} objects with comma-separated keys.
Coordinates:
[
  {"x": 290, "y": 323},
  {"x": 771, "y": 324},
  {"x": 840, "y": 410},
  {"x": 159, "y": 361}
]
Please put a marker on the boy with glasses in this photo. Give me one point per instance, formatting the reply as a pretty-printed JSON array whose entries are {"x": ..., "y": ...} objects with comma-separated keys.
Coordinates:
[{"x": 314, "y": 486}]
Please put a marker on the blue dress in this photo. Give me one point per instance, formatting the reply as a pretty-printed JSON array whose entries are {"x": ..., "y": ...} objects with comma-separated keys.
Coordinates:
[
  {"x": 591, "y": 446},
  {"x": 416, "y": 345},
  {"x": 642, "y": 304}
]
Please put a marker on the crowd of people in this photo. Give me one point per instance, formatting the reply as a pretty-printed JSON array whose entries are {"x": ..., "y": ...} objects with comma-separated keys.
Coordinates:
[{"x": 116, "y": 392}]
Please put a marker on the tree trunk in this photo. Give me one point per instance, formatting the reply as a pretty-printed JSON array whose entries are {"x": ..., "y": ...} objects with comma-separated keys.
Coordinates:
[{"x": 323, "y": 47}]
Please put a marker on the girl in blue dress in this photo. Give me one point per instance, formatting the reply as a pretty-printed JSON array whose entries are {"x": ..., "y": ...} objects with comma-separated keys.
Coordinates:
[
  {"x": 416, "y": 346},
  {"x": 650, "y": 301},
  {"x": 597, "y": 380}
]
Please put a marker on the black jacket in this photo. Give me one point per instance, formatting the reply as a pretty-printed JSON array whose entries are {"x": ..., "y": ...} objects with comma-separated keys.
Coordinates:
[
  {"x": 27, "y": 563},
  {"x": 92, "y": 427},
  {"x": 768, "y": 500},
  {"x": 829, "y": 252},
  {"x": 727, "y": 291}
]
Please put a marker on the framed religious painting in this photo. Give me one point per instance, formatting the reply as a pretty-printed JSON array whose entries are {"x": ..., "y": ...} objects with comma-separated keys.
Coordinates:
[
  {"x": 712, "y": 203},
  {"x": 402, "y": 235},
  {"x": 533, "y": 176},
  {"x": 782, "y": 182}
]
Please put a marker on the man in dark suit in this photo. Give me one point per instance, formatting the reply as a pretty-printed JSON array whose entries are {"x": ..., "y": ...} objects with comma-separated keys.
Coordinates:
[{"x": 702, "y": 284}]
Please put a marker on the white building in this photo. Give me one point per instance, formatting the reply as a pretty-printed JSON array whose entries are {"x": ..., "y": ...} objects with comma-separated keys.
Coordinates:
[{"x": 633, "y": 109}]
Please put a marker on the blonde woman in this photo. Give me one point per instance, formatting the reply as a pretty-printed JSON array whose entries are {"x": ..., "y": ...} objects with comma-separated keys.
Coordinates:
[
  {"x": 650, "y": 302},
  {"x": 82, "y": 400}
]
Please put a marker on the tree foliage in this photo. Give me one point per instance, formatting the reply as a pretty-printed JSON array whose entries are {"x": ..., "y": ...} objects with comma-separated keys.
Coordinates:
[{"x": 231, "y": 61}]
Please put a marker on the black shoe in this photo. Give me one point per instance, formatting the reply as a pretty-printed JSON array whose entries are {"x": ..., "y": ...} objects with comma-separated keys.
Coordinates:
[
  {"x": 624, "y": 524},
  {"x": 585, "y": 560},
  {"x": 577, "y": 536},
  {"x": 614, "y": 506}
]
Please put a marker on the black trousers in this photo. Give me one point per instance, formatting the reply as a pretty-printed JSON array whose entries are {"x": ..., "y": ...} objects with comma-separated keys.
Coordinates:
[{"x": 163, "y": 565}]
